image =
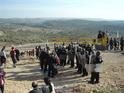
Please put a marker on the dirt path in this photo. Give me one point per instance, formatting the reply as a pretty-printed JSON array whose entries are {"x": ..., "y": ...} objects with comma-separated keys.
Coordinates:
[{"x": 18, "y": 80}]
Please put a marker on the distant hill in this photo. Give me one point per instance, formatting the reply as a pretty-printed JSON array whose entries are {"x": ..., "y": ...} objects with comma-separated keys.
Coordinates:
[{"x": 20, "y": 30}]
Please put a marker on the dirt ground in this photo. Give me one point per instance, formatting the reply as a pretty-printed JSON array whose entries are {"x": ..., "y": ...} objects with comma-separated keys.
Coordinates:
[{"x": 19, "y": 79}]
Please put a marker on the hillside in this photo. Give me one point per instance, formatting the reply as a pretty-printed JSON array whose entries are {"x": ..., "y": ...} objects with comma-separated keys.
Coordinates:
[{"x": 28, "y": 30}]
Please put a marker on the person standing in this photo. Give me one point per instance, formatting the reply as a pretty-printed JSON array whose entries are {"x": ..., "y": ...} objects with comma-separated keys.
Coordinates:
[
  {"x": 79, "y": 60},
  {"x": 2, "y": 56},
  {"x": 111, "y": 44},
  {"x": 63, "y": 56},
  {"x": 100, "y": 36},
  {"x": 96, "y": 68},
  {"x": 13, "y": 56},
  {"x": 2, "y": 79},
  {"x": 71, "y": 55},
  {"x": 115, "y": 44},
  {"x": 84, "y": 63},
  {"x": 122, "y": 43},
  {"x": 52, "y": 62},
  {"x": 17, "y": 54}
]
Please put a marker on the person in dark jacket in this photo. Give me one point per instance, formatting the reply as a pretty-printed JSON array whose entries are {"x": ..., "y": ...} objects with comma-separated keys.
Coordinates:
[
  {"x": 111, "y": 44},
  {"x": 122, "y": 43},
  {"x": 63, "y": 56},
  {"x": 13, "y": 56},
  {"x": 115, "y": 44},
  {"x": 44, "y": 60},
  {"x": 17, "y": 54},
  {"x": 99, "y": 35},
  {"x": 35, "y": 88},
  {"x": 71, "y": 55},
  {"x": 3, "y": 56},
  {"x": 52, "y": 63}
]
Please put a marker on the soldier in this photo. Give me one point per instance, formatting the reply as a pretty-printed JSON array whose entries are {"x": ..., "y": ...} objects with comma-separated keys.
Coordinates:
[
  {"x": 85, "y": 60},
  {"x": 111, "y": 44},
  {"x": 71, "y": 55},
  {"x": 96, "y": 68},
  {"x": 63, "y": 56},
  {"x": 79, "y": 60},
  {"x": 122, "y": 43}
]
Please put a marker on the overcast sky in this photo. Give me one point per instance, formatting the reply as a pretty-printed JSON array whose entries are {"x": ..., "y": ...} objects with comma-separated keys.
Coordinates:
[{"x": 105, "y": 9}]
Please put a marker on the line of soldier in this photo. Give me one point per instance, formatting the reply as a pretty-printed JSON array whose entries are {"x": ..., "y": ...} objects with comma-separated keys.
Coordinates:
[
  {"x": 110, "y": 43},
  {"x": 116, "y": 43},
  {"x": 64, "y": 55},
  {"x": 85, "y": 55}
]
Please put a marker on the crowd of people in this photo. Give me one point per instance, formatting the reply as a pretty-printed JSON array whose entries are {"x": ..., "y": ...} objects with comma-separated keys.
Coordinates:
[
  {"x": 78, "y": 56},
  {"x": 110, "y": 43},
  {"x": 84, "y": 58}
]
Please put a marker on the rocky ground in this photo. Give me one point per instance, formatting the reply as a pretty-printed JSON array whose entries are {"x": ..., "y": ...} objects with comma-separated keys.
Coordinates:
[{"x": 19, "y": 79}]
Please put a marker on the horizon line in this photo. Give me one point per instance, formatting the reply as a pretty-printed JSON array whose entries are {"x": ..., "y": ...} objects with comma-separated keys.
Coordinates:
[{"x": 93, "y": 19}]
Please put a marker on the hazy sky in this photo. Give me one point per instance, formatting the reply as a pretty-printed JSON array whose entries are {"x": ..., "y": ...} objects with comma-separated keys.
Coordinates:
[{"x": 107, "y": 9}]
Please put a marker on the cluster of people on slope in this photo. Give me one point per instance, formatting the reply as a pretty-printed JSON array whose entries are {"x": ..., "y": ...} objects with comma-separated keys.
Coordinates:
[
  {"x": 14, "y": 54},
  {"x": 48, "y": 61},
  {"x": 103, "y": 38},
  {"x": 110, "y": 43},
  {"x": 30, "y": 52},
  {"x": 116, "y": 43},
  {"x": 66, "y": 55}
]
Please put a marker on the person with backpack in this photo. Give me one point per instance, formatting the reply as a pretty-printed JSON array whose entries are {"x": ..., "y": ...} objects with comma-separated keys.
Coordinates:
[
  {"x": 2, "y": 80},
  {"x": 2, "y": 56},
  {"x": 13, "y": 56}
]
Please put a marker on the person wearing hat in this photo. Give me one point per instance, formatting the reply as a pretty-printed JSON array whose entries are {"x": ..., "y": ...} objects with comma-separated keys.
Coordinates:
[{"x": 35, "y": 88}]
